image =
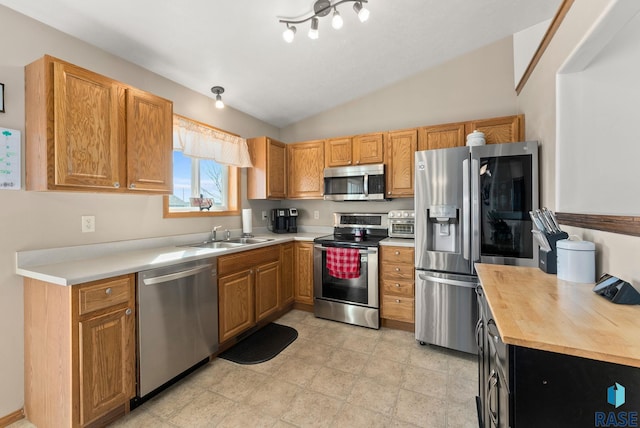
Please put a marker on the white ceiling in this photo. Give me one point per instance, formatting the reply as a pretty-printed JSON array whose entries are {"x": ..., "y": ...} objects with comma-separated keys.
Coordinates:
[{"x": 238, "y": 44}]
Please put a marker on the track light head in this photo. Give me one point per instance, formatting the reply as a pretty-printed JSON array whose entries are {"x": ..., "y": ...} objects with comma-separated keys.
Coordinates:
[
  {"x": 289, "y": 33},
  {"x": 313, "y": 31}
]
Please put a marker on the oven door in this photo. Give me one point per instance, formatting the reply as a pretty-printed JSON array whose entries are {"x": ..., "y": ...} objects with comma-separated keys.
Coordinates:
[{"x": 362, "y": 290}]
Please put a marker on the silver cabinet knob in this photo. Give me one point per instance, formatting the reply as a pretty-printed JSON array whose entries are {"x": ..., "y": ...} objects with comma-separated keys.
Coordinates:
[
  {"x": 397, "y": 300},
  {"x": 397, "y": 285},
  {"x": 132, "y": 186},
  {"x": 116, "y": 185},
  {"x": 389, "y": 192},
  {"x": 108, "y": 291},
  {"x": 128, "y": 311},
  {"x": 397, "y": 253},
  {"x": 397, "y": 269}
]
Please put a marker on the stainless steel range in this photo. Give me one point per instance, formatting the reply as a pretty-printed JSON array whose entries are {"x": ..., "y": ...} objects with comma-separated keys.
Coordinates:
[{"x": 346, "y": 269}]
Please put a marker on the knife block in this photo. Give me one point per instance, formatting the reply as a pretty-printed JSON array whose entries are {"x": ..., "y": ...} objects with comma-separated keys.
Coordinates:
[{"x": 548, "y": 259}]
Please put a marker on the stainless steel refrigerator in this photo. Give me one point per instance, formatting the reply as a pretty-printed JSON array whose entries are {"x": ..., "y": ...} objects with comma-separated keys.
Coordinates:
[{"x": 471, "y": 205}]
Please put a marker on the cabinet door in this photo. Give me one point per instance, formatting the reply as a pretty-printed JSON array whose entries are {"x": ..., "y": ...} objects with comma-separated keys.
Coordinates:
[
  {"x": 89, "y": 150},
  {"x": 235, "y": 304},
  {"x": 368, "y": 149},
  {"x": 266, "y": 179},
  {"x": 149, "y": 142},
  {"x": 442, "y": 136},
  {"x": 304, "y": 272},
  {"x": 267, "y": 289},
  {"x": 286, "y": 274},
  {"x": 276, "y": 169},
  {"x": 401, "y": 147},
  {"x": 306, "y": 165},
  {"x": 506, "y": 129},
  {"x": 106, "y": 362},
  {"x": 338, "y": 152}
]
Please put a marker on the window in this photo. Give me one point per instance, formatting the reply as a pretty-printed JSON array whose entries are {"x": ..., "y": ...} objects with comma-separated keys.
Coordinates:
[{"x": 201, "y": 187}]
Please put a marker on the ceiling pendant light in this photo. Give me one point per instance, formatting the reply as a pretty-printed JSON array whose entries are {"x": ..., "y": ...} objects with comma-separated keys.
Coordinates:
[
  {"x": 336, "y": 21},
  {"x": 323, "y": 8},
  {"x": 313, "y": 31},
  {"x": 363, "y": 13},
  {"x": 218, "y": 90}
]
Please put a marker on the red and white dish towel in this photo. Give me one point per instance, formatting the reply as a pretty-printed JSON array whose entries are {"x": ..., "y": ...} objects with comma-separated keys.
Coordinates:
[{"x": 343, "y": 263}]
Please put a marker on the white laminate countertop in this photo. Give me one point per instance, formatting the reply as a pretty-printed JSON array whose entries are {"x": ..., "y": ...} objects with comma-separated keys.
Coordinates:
[
  {"x": 79, "y": 264},
  {"x": 398, "y": 242}
]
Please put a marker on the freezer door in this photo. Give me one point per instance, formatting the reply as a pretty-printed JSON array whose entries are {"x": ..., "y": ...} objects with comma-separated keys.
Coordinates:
[
  {"x": 446, "y": 310},
  {"x": 504, "y": 188},
  {"x": 442, "y": 216}
]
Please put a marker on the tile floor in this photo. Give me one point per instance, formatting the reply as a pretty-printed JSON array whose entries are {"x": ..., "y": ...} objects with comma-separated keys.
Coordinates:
[{"x": 333, "y": 375}]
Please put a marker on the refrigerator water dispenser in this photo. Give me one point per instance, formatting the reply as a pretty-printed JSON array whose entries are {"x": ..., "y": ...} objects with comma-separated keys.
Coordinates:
[{"x": 443, "y": 228}]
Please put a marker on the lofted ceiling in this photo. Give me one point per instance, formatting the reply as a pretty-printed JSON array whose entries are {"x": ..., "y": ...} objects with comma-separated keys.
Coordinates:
[{"x": 238, "y": 44}]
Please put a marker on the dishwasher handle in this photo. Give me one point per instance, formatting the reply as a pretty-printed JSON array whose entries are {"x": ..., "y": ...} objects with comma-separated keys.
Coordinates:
[{"x": 177, "y": 275}]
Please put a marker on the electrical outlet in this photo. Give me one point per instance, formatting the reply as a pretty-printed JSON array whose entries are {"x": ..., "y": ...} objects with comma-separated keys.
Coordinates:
[
  {"x": 88, "y": 223},
  {"x": 316, "y": 215},
  {"x": 264, "y": 216}
]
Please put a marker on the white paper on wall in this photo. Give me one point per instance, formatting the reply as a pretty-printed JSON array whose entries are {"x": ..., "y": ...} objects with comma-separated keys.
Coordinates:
[{"x": 10, "y": 164}]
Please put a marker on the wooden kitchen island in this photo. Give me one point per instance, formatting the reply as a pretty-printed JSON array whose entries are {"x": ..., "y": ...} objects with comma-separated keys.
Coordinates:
[{"x": 553, "y": 353}]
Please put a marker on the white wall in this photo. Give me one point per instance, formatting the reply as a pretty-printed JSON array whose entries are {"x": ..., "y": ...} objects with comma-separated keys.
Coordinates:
[
  {"x": 474, "y": 86},
  {"x": 615, "y": 253},
  {"x": 525, "y": 45},
  {"x": 32, "y": 220}
]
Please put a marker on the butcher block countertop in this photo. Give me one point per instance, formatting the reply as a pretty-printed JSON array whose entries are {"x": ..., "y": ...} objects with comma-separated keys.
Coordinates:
[{"x": 537, "y": 310}]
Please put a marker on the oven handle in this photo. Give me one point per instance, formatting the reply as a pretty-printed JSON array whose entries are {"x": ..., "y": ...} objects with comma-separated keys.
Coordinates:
[
  {"x": 360, "y": 250},
  {"x": 366, "y": 185}
]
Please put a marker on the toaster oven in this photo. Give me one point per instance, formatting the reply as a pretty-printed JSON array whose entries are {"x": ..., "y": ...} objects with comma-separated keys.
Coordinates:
[{"x": 402, "y": 224}]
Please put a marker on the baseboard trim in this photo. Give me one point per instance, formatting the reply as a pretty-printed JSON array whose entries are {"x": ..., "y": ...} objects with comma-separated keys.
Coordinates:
[
  {"x": 11, "y": 418},
  {"x": 398, "y": 325}
]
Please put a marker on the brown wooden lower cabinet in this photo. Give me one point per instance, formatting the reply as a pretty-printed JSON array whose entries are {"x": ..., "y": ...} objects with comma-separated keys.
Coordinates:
[
  {"x": 79, "y": 351},
  {"x": 304, "y": 272},
  {"x": 235, "y": 304},
  {"x": 287, "y": 293},
  {"x": 397, "y": 284}
]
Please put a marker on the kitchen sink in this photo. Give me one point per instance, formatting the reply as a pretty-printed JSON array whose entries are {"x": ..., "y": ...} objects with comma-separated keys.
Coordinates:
[
  {"x": 248, "y": 240},
  {"x": 216, "y": 244}
]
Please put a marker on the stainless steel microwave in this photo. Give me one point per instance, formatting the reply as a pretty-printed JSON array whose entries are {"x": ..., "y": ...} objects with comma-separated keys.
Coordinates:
[{"x": 354, "y": 183}]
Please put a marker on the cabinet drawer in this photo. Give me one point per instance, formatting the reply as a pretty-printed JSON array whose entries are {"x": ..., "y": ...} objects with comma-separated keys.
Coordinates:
[
  {"x": 244, "y": 260},
  {"x": 398, "y": 288},
  {"x": 397, "y": 255},
  {"x": 398, "y": 308},
  {"x": 104, "y": 294},
  {"x": 395, "y": 271}
]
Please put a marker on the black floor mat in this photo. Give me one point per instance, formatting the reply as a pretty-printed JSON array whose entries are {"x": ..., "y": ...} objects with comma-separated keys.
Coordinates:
[{"x": 262, "y": 345}]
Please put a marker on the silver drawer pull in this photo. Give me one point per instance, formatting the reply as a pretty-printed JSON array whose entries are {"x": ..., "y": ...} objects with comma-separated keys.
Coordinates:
[
  {"x": 397, "y": 300},
  {"x": 397, "y": 285},
  {"x": 108, "y": 291},
  {"x": 397, "y": 253},
  {"x": 397, "y": 269},
  {"x": 128, "y": 311}
]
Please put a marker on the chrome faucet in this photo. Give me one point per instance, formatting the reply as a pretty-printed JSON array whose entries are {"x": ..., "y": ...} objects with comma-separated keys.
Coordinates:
[{"x": 213, "y": 232}]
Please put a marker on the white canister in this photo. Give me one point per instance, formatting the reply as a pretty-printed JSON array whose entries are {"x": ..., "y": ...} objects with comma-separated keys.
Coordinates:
[
  {"x": 476, "y": 138},
  {"x": 576, "y": 261}
]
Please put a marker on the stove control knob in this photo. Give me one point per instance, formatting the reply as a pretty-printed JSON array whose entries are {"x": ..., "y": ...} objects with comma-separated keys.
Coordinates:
[
  {"x": 391, "y": 214},
  {"x": 405, "y": 214}
]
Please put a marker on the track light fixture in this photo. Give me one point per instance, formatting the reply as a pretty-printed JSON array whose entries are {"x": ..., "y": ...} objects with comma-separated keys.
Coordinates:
[
  {"x": 218, "y": 90},
  {"x": 323, "y": 8}
]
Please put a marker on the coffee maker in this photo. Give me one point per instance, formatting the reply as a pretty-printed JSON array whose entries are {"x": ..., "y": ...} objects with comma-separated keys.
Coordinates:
[{"x": 283, "y": 220}]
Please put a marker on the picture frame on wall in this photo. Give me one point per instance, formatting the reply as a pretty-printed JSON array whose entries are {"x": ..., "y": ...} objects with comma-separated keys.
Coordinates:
[{"x": 1, "y": 97}]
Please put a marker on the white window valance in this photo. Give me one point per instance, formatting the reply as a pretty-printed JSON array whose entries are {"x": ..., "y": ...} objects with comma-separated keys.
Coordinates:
[{"x": 200, "y": 141}]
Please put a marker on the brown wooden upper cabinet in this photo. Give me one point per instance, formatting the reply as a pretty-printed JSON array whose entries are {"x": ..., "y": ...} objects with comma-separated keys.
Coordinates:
[
  {"x": 401, "y": 146},
  {"x": 88, "y": 132},
  {"x": 357, "y": 150},
  {"x": 267, "y": 178},
  {"x": 505, "y": 129},
  {"x": 306, "y": 165},
  {"x": 441, "y": 136}
]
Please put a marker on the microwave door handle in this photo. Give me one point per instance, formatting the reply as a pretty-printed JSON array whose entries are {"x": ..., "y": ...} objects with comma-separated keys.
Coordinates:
[
  {"x": 466, "y": 205},
  {"x": 475, "y": 209},
  {"x": 366, "y": 185}
]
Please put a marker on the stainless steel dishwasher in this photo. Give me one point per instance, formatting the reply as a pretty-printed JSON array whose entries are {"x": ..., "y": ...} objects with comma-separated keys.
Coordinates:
[{"x": 177, "y": 320}]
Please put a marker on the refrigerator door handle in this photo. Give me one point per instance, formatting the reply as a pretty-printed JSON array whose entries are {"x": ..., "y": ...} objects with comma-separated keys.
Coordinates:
[
  {"x": 466, "y": 240},
  {"x": 448, "y": 281},
  {"x": 475, "y": 209}
]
